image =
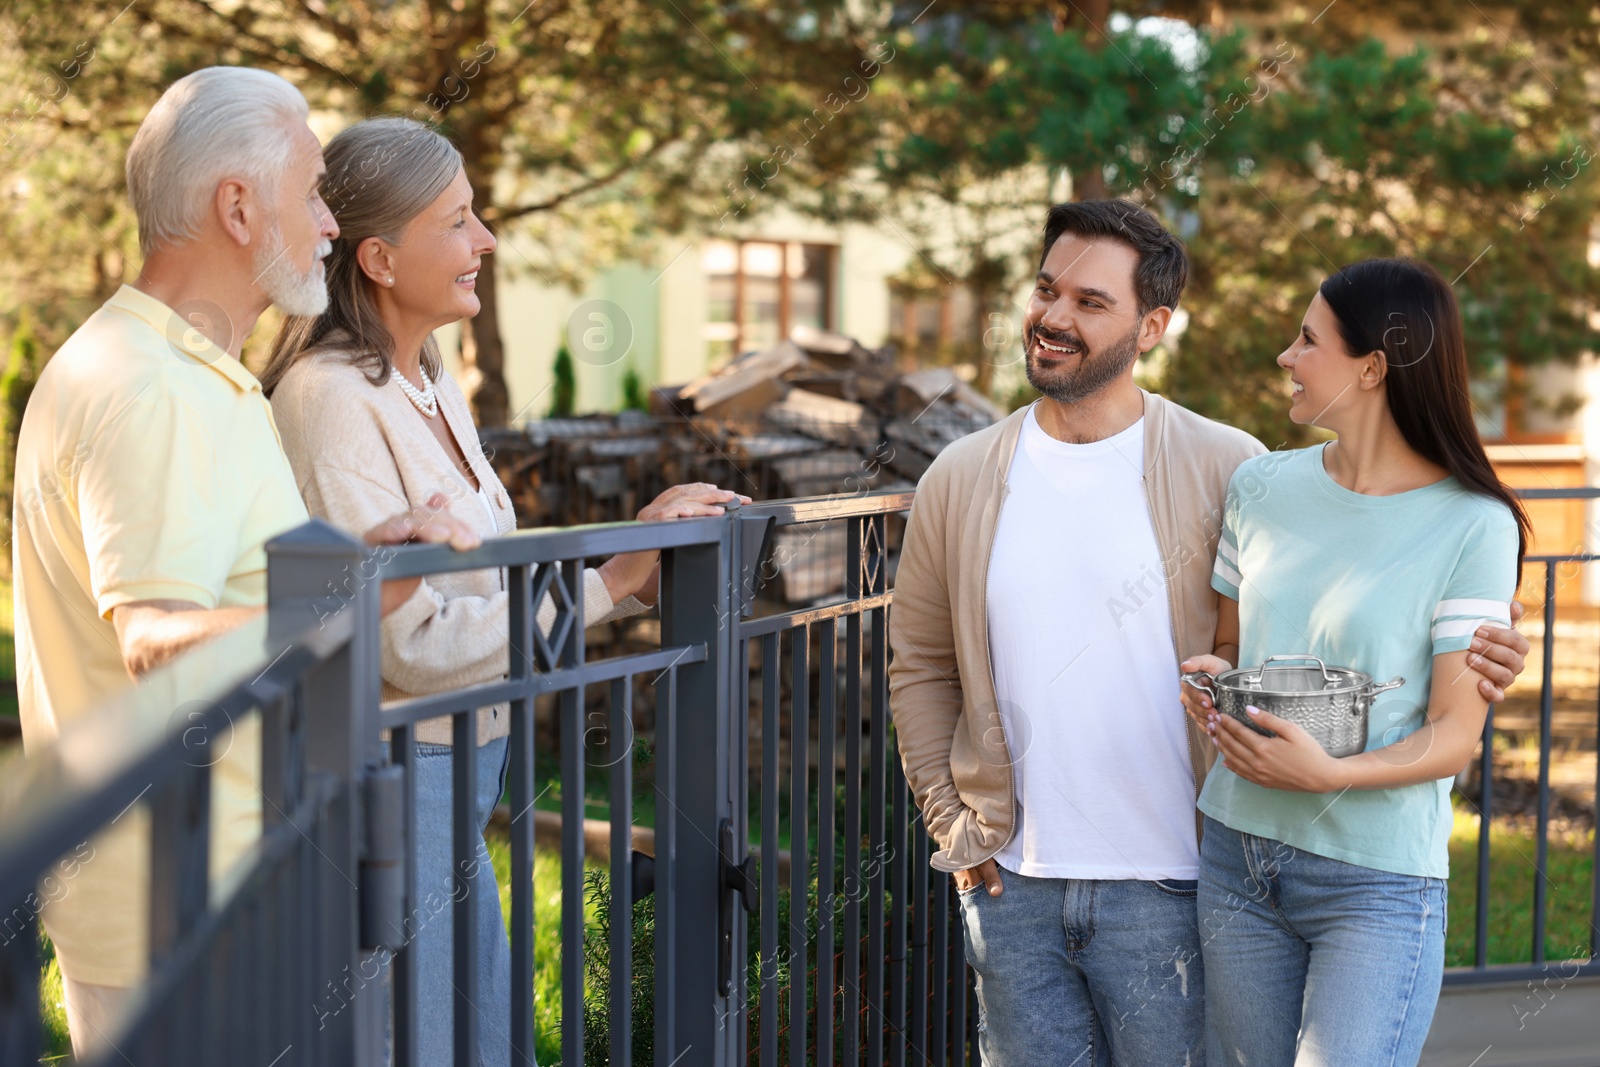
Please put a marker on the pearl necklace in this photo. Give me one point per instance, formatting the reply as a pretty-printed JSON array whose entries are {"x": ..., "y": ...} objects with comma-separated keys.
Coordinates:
[{"x": 425, "y": 399}]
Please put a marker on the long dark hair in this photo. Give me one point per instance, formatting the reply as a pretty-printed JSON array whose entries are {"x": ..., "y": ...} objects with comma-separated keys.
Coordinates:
[
  {"x": 1405, "y": 309},
  {"x": 381, "y": 174}
]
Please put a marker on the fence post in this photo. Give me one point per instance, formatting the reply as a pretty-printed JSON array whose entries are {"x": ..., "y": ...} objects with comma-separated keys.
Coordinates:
[
  {"x": 316, "y": 573},
  {"x": 696, "y": 608}
]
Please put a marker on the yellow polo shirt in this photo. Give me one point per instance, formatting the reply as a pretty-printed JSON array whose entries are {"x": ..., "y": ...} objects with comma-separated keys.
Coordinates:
[{"x": 148, "y": 468}]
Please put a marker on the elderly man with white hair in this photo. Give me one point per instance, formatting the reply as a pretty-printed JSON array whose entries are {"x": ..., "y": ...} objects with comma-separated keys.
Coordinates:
[{"x": 150, "y": 475}]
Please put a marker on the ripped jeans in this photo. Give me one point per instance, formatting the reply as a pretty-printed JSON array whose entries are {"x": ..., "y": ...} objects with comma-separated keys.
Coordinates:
[{"x": 1087, "y": 973}]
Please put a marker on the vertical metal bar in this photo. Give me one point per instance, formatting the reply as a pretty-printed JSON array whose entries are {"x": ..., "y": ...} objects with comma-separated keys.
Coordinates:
[
  {"x": 342, "y": 737},
  {"x": 939, "y": 954},
  {"x": 621, "y": 814},
  {"x": 697, "y": 585},
  {"x": 850, "y": 964},
  {"x": 21, "y": 1030},
  {"x": 1546, "y": 695},
  {"x": 827, "y": 898},
  {"x": 275, "y": 759},
  {"x": 878, "y": 844},
  {"x": 666, "y": 926},
  {"x": 799, "y": 829},
  {"x": 768, "y": 1005},
  {"x": 464, "y": 855},
  {"x": 900, "y": 858},
  {"x": 1594, "y": 881},
  {"x": 917, "y": 997},
  {"x": 403, "y": 753},
  {"x": 180, "y": 845},
  {"x": 1480, "y": 947},
  {"x": 570, "y": 709},
  {"x": 744, "y": 996},
  {"x": 518, "y": 584}
]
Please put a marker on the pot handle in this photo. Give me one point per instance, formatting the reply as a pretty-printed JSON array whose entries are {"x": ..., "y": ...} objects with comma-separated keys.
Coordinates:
[
  {"x": 1393, "y": 683},
  {"x": 1193, "y": 677},
  {"x": 1302, "y": 657}
]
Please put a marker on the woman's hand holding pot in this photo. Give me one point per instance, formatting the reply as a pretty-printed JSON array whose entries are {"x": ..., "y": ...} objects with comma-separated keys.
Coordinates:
[
  {"x": 1291, "y": 760},
  {"x": 1196, "y": 702}
]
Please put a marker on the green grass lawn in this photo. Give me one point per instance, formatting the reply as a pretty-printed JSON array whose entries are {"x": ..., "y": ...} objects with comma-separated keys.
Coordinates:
[
  {"x": 8, "y": 654},
  {"x": 546, "y": 938},
  {"x": 1511, "y": 877}
]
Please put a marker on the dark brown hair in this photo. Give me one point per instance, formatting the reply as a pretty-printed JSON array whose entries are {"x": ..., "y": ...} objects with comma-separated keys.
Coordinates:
[
  {"x": 1163, "y": 268},
  {"x": 1406, "y": 310}
]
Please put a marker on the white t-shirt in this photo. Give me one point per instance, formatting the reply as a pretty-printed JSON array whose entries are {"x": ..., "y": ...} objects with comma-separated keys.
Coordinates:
[{"x": 1085, "y": 670}]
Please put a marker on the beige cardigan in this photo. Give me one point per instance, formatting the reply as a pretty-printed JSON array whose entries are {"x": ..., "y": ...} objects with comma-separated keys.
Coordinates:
[
  {"x": 941, "y": 682},
  {"x": 361, "y": 454}
]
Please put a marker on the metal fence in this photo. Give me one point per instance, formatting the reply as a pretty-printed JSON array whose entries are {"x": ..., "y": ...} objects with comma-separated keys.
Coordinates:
[
  {"x": 327, "y": 893},
  {"x": 793, "y": 916},
  {"x": 1546, "y": 571},
  {"x": 230, "y": 975}
]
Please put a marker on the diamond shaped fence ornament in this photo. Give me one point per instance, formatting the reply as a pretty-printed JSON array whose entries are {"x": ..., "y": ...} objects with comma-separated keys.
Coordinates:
[
  {"x": 871, "y": 556},
  {"x": 548, "y": 579}
]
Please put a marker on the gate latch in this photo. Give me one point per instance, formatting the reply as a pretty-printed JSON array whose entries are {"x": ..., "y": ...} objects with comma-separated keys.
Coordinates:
[{"x": 738, "y": 884}]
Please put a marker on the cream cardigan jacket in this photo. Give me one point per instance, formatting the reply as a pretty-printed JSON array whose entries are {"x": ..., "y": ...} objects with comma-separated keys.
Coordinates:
[
  {"x": 956, "y": 756},
  {"x": 362, "y": 453}
]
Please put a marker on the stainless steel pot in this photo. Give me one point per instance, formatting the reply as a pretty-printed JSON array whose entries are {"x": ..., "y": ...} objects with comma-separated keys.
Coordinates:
[{"x": 1331, "y": 703}]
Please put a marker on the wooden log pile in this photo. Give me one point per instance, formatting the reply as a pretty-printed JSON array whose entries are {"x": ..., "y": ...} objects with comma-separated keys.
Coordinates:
[{"x": 816, "y": 414}]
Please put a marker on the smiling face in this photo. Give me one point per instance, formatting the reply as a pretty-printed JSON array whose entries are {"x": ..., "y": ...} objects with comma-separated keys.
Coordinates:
[
  {"x": 1322, "y": 373},
  {"x": 435, "y": 265},
  {"x": 1083, "y": 330}
]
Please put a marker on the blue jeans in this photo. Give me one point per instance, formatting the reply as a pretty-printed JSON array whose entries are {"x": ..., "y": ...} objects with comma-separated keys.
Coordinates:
[
  {"x": 433, "y": 910},
  {"x": 1313, "y": 961},
  {"x": 1080, "y": 973}
]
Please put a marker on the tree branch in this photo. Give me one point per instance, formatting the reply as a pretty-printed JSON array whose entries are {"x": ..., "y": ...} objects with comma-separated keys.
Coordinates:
[
  {"x": 504, "y": 215},
  {"x": 281, "y": 53},
  {"x": 350, "y": 35}
]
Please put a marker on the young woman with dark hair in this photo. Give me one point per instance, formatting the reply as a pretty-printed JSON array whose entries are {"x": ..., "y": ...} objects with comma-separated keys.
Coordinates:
[{"x": 1322, "y": 879}]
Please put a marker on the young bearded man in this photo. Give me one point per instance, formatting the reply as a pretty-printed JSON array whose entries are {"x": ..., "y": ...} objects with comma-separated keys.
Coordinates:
[{"x": 1056, "y": 569}]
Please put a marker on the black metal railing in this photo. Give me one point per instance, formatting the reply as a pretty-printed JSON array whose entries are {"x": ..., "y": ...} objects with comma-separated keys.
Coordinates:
[
  {"x": 827, "y": 988},
  {"x": 233, "y": 961},
  {"x": 1535, "y": 967},
  {"x": 795, "y": 917}
]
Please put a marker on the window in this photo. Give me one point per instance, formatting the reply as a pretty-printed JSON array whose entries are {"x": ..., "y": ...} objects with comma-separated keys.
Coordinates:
[
  {"x": 927, "y": 322},
  {"x": 758, "y": 291}
]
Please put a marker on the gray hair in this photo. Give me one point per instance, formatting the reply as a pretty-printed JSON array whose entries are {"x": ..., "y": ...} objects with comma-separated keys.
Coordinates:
[
  {"x": 382, "y": 173},
  {"x": 216, "y": 123}
]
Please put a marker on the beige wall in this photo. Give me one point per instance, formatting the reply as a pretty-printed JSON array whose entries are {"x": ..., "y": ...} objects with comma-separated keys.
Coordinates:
[{"x": 665, "y": 301}]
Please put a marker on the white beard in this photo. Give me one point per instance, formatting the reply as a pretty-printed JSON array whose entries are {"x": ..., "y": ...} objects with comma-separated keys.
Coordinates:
[{"x": 291, "y": 292}]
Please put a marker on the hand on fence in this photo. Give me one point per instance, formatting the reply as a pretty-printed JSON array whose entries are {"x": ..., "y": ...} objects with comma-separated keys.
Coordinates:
[
  {"x": 691, "y": 499},
  {"x": 431, "y": 523},
  {"x": 638, "y": 574},
  {"x": 1499, "y": 655}
]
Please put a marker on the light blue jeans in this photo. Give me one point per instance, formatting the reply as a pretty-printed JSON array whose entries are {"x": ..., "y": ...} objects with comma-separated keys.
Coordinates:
[
  {"x": 1312, "y": 961},
  {"x": 1080, "y": 973},
  {"x": 435, "y": 934}
]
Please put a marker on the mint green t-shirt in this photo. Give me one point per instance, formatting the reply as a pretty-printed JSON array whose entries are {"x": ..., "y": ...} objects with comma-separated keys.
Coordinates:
[{"x": 1380, "y": 584}]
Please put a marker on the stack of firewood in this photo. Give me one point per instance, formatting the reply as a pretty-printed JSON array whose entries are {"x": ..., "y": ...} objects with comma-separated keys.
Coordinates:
[{"x": 814, "y": 415}]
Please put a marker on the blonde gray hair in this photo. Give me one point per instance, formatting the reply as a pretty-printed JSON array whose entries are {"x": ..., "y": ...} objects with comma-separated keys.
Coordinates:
[
  {"x": 382, "y": 173},
  {"x": 216, "y": 123}
]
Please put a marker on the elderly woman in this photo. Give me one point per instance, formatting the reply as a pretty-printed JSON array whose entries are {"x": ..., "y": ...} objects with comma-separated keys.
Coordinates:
[{"x": 371, "y": 423}]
